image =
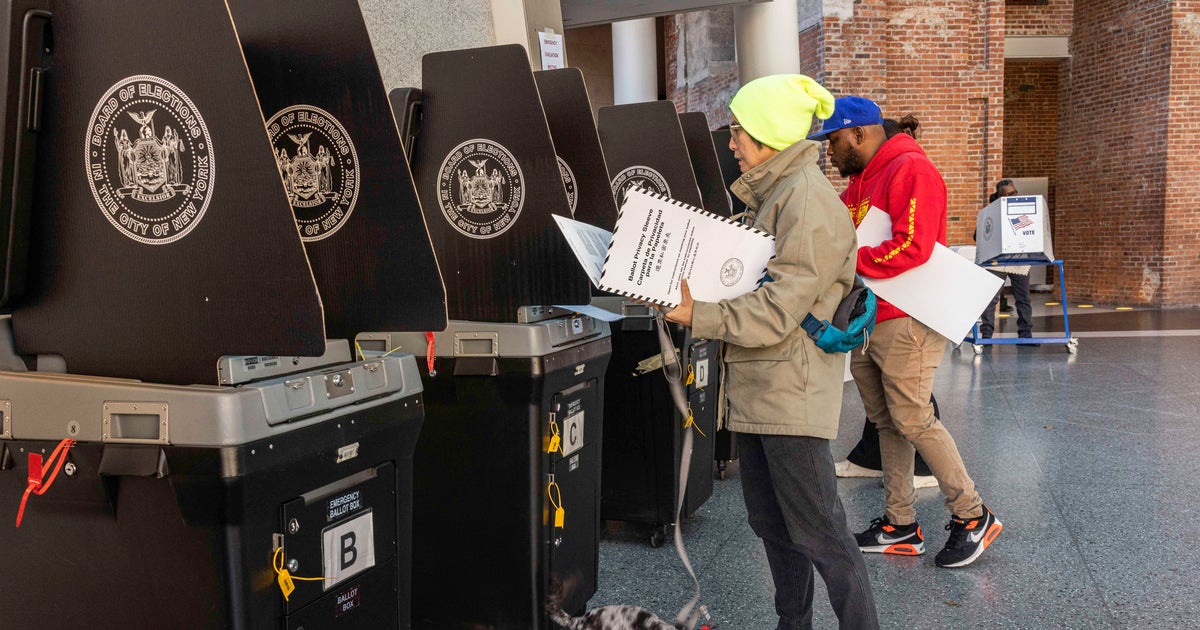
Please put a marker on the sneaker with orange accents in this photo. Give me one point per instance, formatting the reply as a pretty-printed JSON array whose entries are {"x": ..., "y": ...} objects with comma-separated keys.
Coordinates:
[
  {"x": 969, "y": 537},
  {"x": 883, "y": 537}
]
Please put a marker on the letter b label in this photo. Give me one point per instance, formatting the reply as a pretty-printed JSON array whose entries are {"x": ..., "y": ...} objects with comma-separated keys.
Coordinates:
[{"x": 349, "y": 552}]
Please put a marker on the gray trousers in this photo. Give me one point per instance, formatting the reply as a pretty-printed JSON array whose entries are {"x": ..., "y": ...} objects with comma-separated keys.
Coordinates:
[{"x": 793, "y": 505}]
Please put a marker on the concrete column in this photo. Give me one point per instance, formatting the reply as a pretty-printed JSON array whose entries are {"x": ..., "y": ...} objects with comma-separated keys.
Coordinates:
[
  {"x": 768, "y": 39},
  {"x": 635, "y": 61}
]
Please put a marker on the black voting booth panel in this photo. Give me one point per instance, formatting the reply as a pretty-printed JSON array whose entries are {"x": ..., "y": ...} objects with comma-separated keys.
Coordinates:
[
  {"x": 346, "y": 175},
  {"x": 154, "y": 201},
  {"x": 178, "y": 528},
  {"x": 569, "y": 115},
  {"x": 488, "y": 180},
  {"x": 705, "y": 163},
  {"x": 643, "y": 145},
  {"x": 24, "y": 42},
  {"x": 485, "y": 544},
  {"x": 730, "y": 170}
]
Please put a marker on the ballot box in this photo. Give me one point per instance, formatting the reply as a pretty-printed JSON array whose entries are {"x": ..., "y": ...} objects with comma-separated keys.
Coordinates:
[{"x": 180, "y": 443}]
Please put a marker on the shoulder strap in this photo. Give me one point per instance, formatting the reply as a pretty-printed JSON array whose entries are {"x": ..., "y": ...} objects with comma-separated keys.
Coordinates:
[{"x": 693, "y": 611}]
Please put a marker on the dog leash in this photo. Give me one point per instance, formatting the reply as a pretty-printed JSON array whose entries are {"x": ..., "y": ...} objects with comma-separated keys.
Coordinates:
[{"x": 693, "y": 611}]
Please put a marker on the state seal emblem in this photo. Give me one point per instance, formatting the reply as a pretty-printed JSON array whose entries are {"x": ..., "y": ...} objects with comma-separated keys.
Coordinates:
[
  {"x": 149, "y": 160},
  {"x": 319, "y": 167},
  {"x": 480, "y": 188},
  {"x": 642, "y": 176},
  {"x": 731, "y": 272},
  {"x": 568, "y": 177}
]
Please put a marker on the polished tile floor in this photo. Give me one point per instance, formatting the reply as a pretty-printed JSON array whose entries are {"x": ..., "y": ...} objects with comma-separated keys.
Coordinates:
[{"x": 1091, "y": 461}]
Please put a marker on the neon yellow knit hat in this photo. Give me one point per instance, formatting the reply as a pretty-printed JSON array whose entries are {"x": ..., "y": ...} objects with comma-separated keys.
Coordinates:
[{"x": 777, "y": 110}]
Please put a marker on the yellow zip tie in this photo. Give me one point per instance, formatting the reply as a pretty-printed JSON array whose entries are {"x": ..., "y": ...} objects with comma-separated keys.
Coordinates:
[
  {"x": 389, "y": 352},
  {"x": 554, "y": 495},
  {"x": 363, "y": 355},
  {"x": 284, "y": 577},
  {"x": 555, "y": 444},
  {"x": 691, "y": 422},
  {"x": 691, "y": 375}
]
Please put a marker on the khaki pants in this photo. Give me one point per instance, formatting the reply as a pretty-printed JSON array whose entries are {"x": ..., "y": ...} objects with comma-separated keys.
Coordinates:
[{"x": 895, "y": 380}]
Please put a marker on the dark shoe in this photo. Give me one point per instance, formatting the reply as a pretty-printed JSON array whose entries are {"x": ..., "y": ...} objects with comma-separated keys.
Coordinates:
[
  {"x": 969, "y": 537},
  {"x": 883, "y": 537},
  {"x": 1005, "y": 307},
  {"x": 1025, "y": 335}
]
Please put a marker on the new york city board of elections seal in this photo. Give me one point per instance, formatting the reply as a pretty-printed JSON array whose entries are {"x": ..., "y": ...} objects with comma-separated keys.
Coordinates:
[
  {"x": 149, "y": 160},
  {"x": 319, "y": 166},
  {"x": 642, "y": 176},
  {"x": 731, "y": 271},
  {"x": 480, "y": 188},
  {"x": 568, "y": 177}
]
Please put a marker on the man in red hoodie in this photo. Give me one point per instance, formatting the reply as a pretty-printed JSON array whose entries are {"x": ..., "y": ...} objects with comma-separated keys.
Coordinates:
[{"x": 894, "y": 372}]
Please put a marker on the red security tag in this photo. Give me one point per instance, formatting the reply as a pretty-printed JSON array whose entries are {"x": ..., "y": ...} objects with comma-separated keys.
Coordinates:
[{"x": 35, "y": 469}]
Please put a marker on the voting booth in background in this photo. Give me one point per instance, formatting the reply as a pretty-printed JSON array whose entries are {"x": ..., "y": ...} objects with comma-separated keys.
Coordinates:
[
  {"x": 507, "y": 468},
  {"x": 644, "y": 145},
  {"x": 173, "y": 419},
  {"x": 1013, "y": 228},
  {"x": 706, "y": 164}
]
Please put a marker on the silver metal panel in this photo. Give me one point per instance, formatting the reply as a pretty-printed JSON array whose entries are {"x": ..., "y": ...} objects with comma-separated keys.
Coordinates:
[
  {"x": 238, "y": 370},
  {"x": 339, "y": 384},
  {"x": 5, "y": 419},
  {"x": 622, "y": 306},
  {"x": 154, "y": 416},
  {"x": 512, "y": 340},
  {"x": 56, "y": 406}
]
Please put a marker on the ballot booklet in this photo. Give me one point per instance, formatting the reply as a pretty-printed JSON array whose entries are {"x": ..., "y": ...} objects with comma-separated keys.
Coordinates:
[{"x": 659, "y": 241}]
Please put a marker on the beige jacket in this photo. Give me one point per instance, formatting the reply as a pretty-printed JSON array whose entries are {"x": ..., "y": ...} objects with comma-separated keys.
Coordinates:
[{"x": 778, "y": 382}]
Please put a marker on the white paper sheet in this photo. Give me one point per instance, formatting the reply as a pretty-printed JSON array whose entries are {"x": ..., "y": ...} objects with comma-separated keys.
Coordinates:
[
  {"x": 947, "y": 293},
  {"x": 589, "y": 243},
  {"x": 659, "y": 241},
  {"x": 596, "y": 312}
]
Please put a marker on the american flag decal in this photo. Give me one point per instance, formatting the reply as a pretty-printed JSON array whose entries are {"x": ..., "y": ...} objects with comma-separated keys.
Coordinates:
[{"x": 1021, "y": 222}]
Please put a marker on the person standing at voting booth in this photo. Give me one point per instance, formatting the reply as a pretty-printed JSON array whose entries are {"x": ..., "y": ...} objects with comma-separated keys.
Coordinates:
[
  {"x": 784, "y": 393},
  {"x": 894, "y": 372},
  {"x": 1018, "y": 277}
]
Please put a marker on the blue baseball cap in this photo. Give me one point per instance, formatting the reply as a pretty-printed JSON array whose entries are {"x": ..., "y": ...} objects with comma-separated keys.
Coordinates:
[{"x": 849, "y": 111}]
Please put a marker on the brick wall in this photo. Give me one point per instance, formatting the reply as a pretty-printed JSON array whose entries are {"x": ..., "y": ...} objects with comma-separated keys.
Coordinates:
[
  {"x": 1181, "y": 227},
  {"x": 1031, "y": 120},
  {"x": 1052, "y": 19},
  {"x": 942, "y": 62},
  {"x": 701, "y": 70},
  {"x": 1113, "y": 141},
  {"x": 812, "y": 45}
]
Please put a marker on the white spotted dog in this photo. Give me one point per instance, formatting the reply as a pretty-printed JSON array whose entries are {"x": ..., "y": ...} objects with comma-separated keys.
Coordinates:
[{"x": 615, "y": 617}]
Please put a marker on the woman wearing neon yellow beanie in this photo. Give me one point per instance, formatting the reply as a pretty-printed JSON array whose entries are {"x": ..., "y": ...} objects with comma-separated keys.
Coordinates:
[
  {"x": 784, "y": 393},
  {"x": 778, "y": 110}
]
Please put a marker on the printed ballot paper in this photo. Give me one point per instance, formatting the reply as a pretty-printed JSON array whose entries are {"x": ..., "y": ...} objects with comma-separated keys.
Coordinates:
[
  {"x": 659, "y": 241},
  {"x": 946, "y": 293}
]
